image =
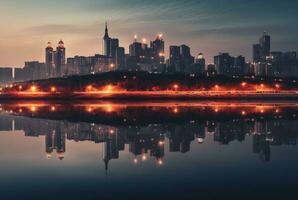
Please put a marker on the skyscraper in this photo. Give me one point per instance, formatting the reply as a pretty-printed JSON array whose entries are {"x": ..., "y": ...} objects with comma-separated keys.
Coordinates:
[
  {"x": 49, "y": 59},
  {"x": 135, "y": 50},
  {"x": 175, "y": 58},
  {"x": 186, "y": 59},
  {"x": 265, "y": 46},
  {"x": 106, "y": 42},
  {"x": 256, "y": 53},
  {"x": 158, "y": 49},
  {"x": 60, "y": 58},
  {"x": 223, "y": 64},
  {"x": 120, "y": 58},
  {"x": 238, "y": 68},
  {"x": 200, "y": 64},
  {"x": 114, "y": 44}
]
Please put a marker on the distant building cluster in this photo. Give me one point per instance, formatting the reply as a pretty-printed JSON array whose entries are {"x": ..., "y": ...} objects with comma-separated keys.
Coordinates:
[
  {"x": 151, "y": 58},
  {"x": 273, "y": 63}
]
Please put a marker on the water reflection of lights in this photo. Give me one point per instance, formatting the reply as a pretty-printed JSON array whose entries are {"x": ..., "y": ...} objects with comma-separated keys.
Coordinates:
[
  {"x": 135, "y": 160},
  {"x": 200, "y": 140},
  {"x": 160, "y": 162},
  {"x": 33, "y": 109},
  {"x": 89, "y": 109},
  {"x": 176, "y": 110},
  {"x": 53, "y": 108},
  {"x": 144, "y": 157},
  {"x": 161, "y": 143},
  {"x": 53, "y": 89},
  {"x": 243, "y": 109}
]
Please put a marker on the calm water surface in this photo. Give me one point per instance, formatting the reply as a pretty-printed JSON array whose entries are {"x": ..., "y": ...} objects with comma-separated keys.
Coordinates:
[{"x": 148, "y": 150}]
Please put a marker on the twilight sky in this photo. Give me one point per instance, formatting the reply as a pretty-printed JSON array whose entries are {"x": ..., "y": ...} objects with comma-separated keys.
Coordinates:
[{"x": 208, "y": 26}]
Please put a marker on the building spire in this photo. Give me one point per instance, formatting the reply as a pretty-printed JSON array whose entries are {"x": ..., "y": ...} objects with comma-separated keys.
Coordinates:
[
  {"x": 106, "y": 166},
  {"x": 106, "y": 30}
]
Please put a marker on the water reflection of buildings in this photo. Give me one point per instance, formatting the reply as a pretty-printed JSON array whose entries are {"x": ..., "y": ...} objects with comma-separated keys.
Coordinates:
[{"x": 149, "y": 140}]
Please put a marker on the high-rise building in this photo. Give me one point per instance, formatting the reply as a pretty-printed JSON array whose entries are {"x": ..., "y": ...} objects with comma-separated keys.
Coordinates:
[
  {"x": 175, "y": 58},
  {"x": 6, "y": 74},
  {"x": 265, "y": 46},
  {"x": 120, "y": 58},
  {"x": 106, "y": 42},
  {"x": 158, "y": 49},
  {"x": 186, "y": 59},
  {"x": 114, "y": 44},
  {"x": 290, "y": 63},
  {"x": 238, "y": 69},
  {"x": 200, "y": 63},
  {"x": 135, "y": 50},
  {"x": 50, "y": 60},
  {"x": 60, "y": 58},
  {"x": 223, "y": 64},
  {"x": 180, "y": 58},
  {"x": 256, "y": 53},
  {"x": 184, "y": 51}
]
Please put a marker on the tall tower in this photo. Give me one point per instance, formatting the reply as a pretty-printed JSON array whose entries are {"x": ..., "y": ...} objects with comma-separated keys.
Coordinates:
[
  {"x": 106, "y": 42},
  {"x": 265, "y": 46},
  {"x": 60, "y": 58},
  {"x": 49, "y": 59},
  {"x": 158, "y": 47}
]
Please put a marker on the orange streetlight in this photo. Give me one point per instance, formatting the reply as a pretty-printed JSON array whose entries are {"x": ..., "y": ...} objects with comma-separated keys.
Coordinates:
[
  {"x": 176, "y": 86},
  {"x": 53, "y": 89},
  {"x": 33, "y": 88},
  {"x": 89, "y": 88},
  {"x": 277, "y": 86},
  {"x": 243, "y": 84}
]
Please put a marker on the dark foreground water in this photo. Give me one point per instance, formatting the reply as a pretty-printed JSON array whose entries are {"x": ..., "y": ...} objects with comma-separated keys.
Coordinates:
[{"x": 148, "y": 150}]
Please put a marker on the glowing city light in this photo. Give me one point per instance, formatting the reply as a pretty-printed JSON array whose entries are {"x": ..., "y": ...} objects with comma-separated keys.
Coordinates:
[
  {"x": 176, "y": 110},
  {"x": 89, "y": 88},
  {"x": 53, "y": 89},
  {"x": 277, "y": 86},
  {"x": 160, "y": 35},
  {"x": 144, "y": 157},
  {"x": 161, "y": 143},
  {"x": 277, "y": 111},
  {"x": 200, "y": 140},
  {"x": 135, "y": 161},
  {"x": 33, "y": 88},
  {"x": 160, "y": 162},
  {"x": 53, "y": 108},
  {"x": 161, "y": 54},
  {"x": 89, "y": 109},
  {"x": 33, "y": 109},
  {"x": 109, "y": 87},
  {"x": 243, "y": 84},
  {"x": 176, "y": 86}
]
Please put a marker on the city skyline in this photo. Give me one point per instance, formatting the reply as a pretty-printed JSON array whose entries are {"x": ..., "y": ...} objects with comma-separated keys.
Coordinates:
[{"x": 199, "y": 27}]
